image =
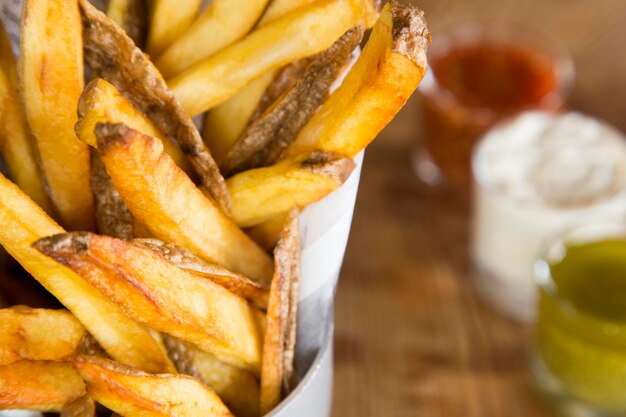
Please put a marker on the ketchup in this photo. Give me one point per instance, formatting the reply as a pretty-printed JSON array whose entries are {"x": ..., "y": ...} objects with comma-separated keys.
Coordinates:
[
  {"x": 495, "y": 75},
  {"x": 479, "y": 83}
]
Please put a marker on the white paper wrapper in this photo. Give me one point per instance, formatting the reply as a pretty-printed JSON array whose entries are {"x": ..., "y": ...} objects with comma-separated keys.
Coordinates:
[{"x": 324, "y": 228}]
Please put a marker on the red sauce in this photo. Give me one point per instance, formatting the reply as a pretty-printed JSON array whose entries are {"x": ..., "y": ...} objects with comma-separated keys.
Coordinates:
[
  {"x": 501, "y": 76},
  {"x": 479, "y": 84}
]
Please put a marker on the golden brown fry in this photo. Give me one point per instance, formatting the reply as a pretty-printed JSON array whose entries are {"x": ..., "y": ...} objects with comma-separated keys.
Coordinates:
[
  {"x": 170, "y": 19},
  {"x": 81, "y": 407},
  {"x": 115, "y": 58},
  {"x": 264, "y": 140},
  {"x": 279, "y": 8},
  {"x": 266, "y": 233},
  {"x": 283, "y": 80},
  {"x": 263, "y": 193},
  {"x": 389, "y": 69},
  {"x": 185, "y": 259},
  {"x": 221, "y": 24},
  {"x": 25, "y": 334},
  {"x": 223, "y": 124},
  {"x": 100, "y": 102},
  {"x": 182, "y": 355},
  {"x": 297, "y": 35},
  {"x": 133, "y": 393},
  {"x": 15, "y": 142},
  {"x": 132, "y": 16},
  {"x": 277, "y": 368},
  {"x": 156, "y": 292},
  {"x": 112, "y": 215},
  {"x": 39, "y": 385},
  {"x": 51, "y": 76},
  {"x": 238, "y": 388},
  {"x": 172, "y": 207},
  {"x": 124, "y": 339}
]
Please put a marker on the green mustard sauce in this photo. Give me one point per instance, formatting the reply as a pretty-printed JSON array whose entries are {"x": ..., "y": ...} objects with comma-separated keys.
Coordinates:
[{"x": 582, "y": 323}]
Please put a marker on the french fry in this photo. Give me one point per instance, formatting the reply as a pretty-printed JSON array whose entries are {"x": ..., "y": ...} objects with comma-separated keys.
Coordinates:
[
  {"x": 133, "y": 393},
  {"x": 170, "y": 19},
  {"x": 182, "y": 355},
  {"x": 39, "y": 385},
  {"x": 156, "y": 292},
  {"x": 51, "y": 76},
  {"x": 264, "y": 140},
  {"x": 25, "y": 334},
  {"x": 23, "y": 222},
  {"x": 100, "y": 102},
  {"x": 238, "y": 388},
  {"x": 296, "y": 35},
  {"x": 389, "y": 69},
  {"x": 132, "y": 16},
  {"x": 263, "y": 193},
  {"x": 114, "y": 57},
  {"x": 172, "y": 208},
  {"x": 112, "y": 216},
  {"x": 223, "y": 124},
  {"x": 221, "y": 24},
  {"x": 81, "y": 407},
  {"x": 185, "y": 259},
  {"x": 279, "y": 8},
  {"x": 266, "y": 234},
  {"x": 279, "y": 342},
  {"x": 15, "y": 143},
  {"x": 283, "y": 80}
]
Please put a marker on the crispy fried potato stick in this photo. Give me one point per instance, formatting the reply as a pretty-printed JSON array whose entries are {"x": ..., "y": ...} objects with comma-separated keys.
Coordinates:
[
  {"x": 133, "y": 393},
  {"x": 173, "y": 209},
  {"x": 266, "y": 233},
  {"x": 115, "y": 58},
  {"x": 51, "y": 76},
  {"x": 132, "y": 16},
  {"x": 100, "y": 102},
  {"x": 185, "y": 259},
  {"x": 81, "y": 407},
  {"x": 123, "y": 338},
  {"x": 263, "y": 193},
  {"x": 154, "y": 291},
  {"x": 389, "y": 69},
  {"x": 279, "y": 8},
  {"x": 112, "y": 215},
  {"x": 25, "y": 334},
  {"x": 15, "y": 142},
  {"x": 237, "y": 387},
  {"x": 265, "y": 139},
  {"x": 279, "y": 343},
  {"x": 297, "y": 35},
  {"x": 39, "y": 385},
  {"x": 170, "y": 19},
  {"x": 224, "y": 123},
  {"x": 222, "y": 23}
]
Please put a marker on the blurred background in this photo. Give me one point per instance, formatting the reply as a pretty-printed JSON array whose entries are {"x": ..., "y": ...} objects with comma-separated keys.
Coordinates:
[{"x": 413, "y": 338}]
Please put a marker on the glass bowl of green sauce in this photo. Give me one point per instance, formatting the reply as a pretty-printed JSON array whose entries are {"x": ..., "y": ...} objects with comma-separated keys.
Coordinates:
[{"x": 579, "y": 359}]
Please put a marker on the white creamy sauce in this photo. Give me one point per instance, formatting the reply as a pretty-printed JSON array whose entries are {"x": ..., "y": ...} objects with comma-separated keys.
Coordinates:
[{"x": 537, "y": 175}]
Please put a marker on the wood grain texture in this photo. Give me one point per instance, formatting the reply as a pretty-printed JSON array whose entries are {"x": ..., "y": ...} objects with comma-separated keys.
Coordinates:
[{"x": 412, "y": 337}]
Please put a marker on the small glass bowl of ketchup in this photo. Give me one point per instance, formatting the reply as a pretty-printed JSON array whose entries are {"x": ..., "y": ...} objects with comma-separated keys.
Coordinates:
[{"x": 480, "y": 74}]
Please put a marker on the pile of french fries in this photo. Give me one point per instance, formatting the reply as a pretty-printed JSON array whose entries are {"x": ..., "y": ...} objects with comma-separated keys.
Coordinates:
[{"x": 156, "y": 238}]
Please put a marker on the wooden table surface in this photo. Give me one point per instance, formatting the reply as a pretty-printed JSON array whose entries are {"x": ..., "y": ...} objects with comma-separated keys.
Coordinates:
[{"x": 412, "y": 338}]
